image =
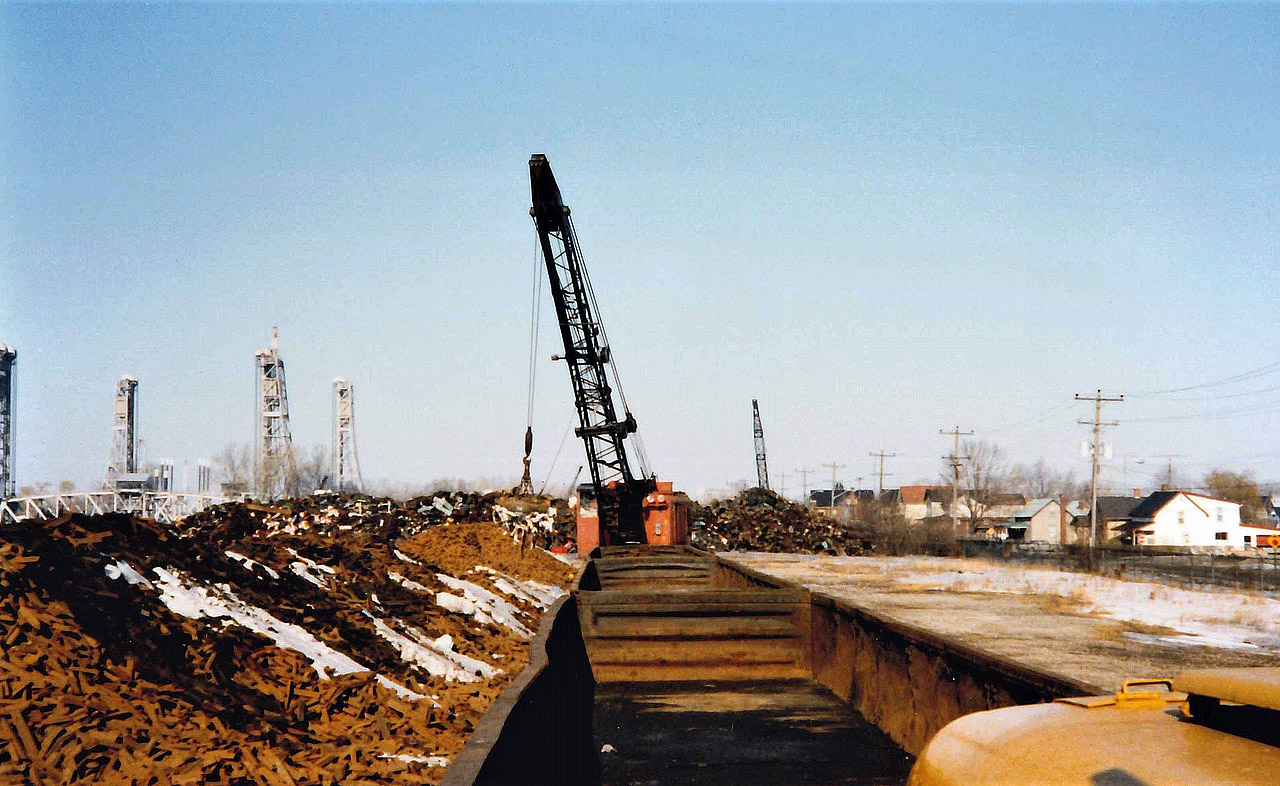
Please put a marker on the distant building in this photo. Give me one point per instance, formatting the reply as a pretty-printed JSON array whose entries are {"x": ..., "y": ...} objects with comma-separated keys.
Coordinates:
[
  {"x": 839, "y": 502},
  {"x": 914, "y": 503},
  {"x": 1113, "y": 513},
  {"x": 1040, "y": 521},
  {"x": 1185, "y": 518}
]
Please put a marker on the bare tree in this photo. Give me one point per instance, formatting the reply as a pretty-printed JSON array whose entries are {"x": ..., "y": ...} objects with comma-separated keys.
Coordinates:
[
  {"x": 235, "y": 463},
  {"x": 66, "y": 486},
  {"x": 313, "y": 470},
  {"x": 1237, "y": 487},
  {"x": 984, "y": 476},
  {"x": 1040, "y": 481}
]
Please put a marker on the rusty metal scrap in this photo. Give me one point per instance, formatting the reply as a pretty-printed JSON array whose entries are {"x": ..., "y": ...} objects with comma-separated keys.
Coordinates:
[{"x": 102, "y": 682}]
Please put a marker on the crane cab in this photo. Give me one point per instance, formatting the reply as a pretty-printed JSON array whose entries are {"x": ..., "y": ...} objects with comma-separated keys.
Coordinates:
[{"x": 666, "y": 517}]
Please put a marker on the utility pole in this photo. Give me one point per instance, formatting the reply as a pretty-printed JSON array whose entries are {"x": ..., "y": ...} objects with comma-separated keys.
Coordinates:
[
  {"x": 882, "y": 456},
  {"x": 804, "y": 484},
  {"x": 782, "y": 492},
  {"x": 1168, "y": 457},
  {"x": 1097, "y": 424},
  {"x": 955, "y": 458},
  {"x": 833, "y": 467}
]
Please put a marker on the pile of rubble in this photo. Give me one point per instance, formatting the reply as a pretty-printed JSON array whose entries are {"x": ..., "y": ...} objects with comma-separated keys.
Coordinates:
[
  {"x": 541, "y": 520},
  {"x": 760, "y": 520},
  {"x": 296, "y": 643}
]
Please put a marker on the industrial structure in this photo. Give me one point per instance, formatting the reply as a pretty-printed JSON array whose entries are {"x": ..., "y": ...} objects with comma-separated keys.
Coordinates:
[
  {"x": 274, "y": 469},
  {"x": 346, "y": 464},
  {"x": 625, "y": 505},
  {"x": 8, "y": 356},
  {"x": 124, "y": 433},
  {"x": 762, "y": 465}
]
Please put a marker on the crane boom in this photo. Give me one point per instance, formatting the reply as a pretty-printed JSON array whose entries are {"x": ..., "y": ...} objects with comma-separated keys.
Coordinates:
[
  {"x": 762, "y": 466},
  {"x": 619, "y": 491}
]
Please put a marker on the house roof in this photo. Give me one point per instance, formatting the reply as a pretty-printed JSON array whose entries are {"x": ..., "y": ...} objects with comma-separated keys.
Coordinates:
[
  {"x": 1112, "y": 508},
  {"x": 822, "y": 497},
  {"x": 1149, "y": 507},
  {"x": 1152, "y": 505},
  {"x": 913, "y": 495},
  {"x": 1033, "y": 507}
]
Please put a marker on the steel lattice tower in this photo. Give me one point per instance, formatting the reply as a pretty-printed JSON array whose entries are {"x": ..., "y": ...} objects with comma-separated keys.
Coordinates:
[
  {"x": 346, "y": 464},
  {"x": 8, "y": 356},
  {"x": 124, "y": 434},
  {"x": 762, "y": 465},
  {"x": 274, "y": 470}
]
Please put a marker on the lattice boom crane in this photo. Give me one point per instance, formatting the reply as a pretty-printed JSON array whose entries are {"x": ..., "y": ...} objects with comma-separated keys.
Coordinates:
[{"x": 629, "y": 505}]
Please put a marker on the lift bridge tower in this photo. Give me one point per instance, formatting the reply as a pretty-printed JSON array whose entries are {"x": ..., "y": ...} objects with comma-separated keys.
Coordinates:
[
  {"x": 124, "y": 434},
  {"x": 274, "y": 470},
  {"x": 346, "y": 465},
  {"x": 8, "y": 356}
]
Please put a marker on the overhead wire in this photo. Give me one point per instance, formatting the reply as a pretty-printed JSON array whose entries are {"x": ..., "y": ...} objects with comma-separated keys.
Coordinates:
[
  {"x": 1270, "y": 368},
  {"x": 534, "y": 330}
]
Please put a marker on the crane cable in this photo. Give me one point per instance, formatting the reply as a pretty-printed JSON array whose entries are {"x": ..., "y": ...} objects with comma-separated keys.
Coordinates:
[
  {"x": 534, "y": 326},
  {"x": 641, "y": 457}
]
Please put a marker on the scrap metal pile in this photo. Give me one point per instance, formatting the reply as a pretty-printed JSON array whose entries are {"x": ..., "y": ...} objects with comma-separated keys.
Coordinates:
[
  {"x": 272, "y": 645},
  {"x": 760, "y": 520}
]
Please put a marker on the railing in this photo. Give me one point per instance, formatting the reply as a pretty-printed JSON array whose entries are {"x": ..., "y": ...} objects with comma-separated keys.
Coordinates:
[{"x": 163, "y": 506}]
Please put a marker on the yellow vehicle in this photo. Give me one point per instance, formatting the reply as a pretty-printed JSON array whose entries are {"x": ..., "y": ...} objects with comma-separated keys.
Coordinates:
[{"x": 1211, "y": 726}]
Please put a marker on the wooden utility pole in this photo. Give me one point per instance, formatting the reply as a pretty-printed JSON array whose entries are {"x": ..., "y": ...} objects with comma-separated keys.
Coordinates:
[
  {"x": 955, "y": 458},
  {"x": 804, "y": 485},
  {"x": 834, "y": 466},
  {"x": 882, "y": 456},
  {"x": 1097, "y": 424}
]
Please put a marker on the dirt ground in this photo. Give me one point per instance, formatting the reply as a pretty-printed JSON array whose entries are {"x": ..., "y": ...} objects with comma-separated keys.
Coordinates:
[{"x": 1060, "y": 633}]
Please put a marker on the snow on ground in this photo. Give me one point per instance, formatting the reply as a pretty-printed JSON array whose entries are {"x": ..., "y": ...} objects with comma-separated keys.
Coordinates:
[
  {"x": 479, "y": 601},
  {"x": 120, "y": 568},
  {"x": 430, "y": 761},
  {"x": 219, "y": 602},
  {"x": 1209, "y": 617},
  {"x": 434, "y": 656},
  {"x": 311, "y": 571},
  {"x": 406, "y": 582},
  {"x": 400, "y": 555},
  {"x": 250, "y": 564},
  {"x": 540, "y": 595}
]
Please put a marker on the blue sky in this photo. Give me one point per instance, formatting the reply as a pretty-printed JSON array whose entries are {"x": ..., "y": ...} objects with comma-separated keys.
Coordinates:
[{"x": 880, "y": 221}]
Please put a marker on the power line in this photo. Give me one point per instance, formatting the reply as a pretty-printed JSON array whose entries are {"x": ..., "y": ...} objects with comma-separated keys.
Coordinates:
[{"x": 1257, "y": 372}]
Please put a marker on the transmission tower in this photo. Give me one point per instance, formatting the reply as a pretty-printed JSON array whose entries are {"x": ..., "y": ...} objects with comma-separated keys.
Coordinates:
[
  {"x": 762, "y": 466},
  {"x": 273, "y": 465},
  {"x": 346, "y": 465},
  {"x": 8, "y": 356},
  {"x": 124, "y": 434}
]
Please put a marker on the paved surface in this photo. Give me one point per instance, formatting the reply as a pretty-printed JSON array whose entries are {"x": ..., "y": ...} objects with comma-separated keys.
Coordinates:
[
  {"x": 738, "y": 733},
  {"x": 1042, "y": 631}
]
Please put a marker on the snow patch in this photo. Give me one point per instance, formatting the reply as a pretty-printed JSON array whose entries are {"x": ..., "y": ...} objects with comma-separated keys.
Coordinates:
[
  {"x": 485, "y": 601},
  {"x": 540, "y": 595},
  {"x": 311, "y": 571},
  {"x": 250, "y": 564},
  {"x": 430, "y": 761},
  {"x": 407, "y": 582},
  {"x": 219, "y": 602},
  {"x": 435, "y": 656},
  {"x": 400, "y": 555},
  {"x": 122, "y": 569}
]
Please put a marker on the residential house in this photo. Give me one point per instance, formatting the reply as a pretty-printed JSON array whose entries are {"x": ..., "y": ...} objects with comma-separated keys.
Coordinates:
[
  {"x": 913, "y": 503},
  {"x": 987, "y": 517},
  {"x": 1185, "y": 518},
  {"x": 1113, "y": 513},
  {"x": 1040, "y": 520},
  {"x": 838, "y": 503}
]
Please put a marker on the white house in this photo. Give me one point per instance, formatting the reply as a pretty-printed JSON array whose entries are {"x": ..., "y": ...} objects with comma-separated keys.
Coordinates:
[{"x": 1184, "y": 518}]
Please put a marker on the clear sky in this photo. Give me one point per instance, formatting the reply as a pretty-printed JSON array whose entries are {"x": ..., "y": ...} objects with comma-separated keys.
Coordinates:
[{"x": 881, "y": 221}]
